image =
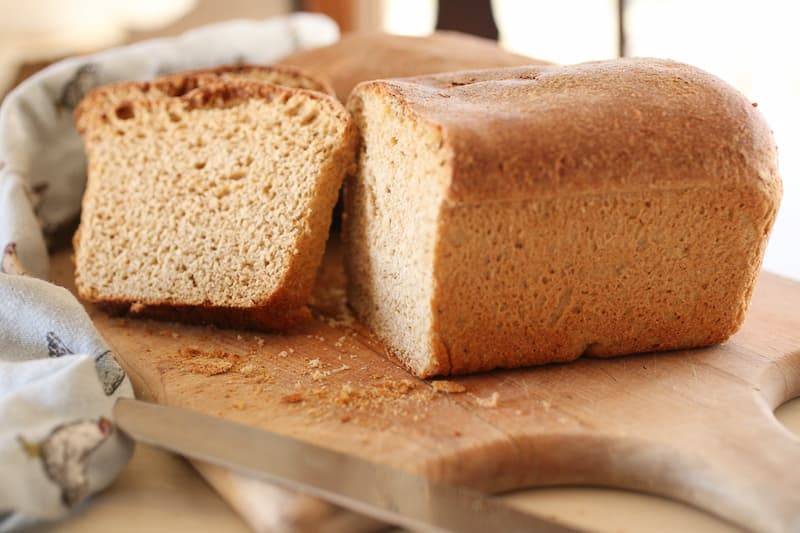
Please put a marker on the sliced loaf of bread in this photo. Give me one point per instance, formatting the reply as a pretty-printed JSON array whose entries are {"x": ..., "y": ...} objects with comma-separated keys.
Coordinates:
[
  {"x": 212, "y": 204},
  {"x": 530, "y": 215}
]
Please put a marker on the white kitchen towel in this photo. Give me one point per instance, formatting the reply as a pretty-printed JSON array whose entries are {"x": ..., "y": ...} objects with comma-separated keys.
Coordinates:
[{"x": 58, "y": 379}]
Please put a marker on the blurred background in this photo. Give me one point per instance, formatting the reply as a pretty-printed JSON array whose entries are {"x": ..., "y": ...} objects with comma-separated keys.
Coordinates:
[{"x": 751, "y": 44}]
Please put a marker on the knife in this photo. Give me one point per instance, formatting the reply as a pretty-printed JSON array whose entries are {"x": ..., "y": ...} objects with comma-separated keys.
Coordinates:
[{"x": 393, "y": 496}]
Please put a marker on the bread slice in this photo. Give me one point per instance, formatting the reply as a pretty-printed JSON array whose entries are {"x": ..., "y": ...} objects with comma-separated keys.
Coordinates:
[
  {"x": 212, "y": 206},
  {"x": 358, "y": 57},
  {"x": 531, "y": 215}
]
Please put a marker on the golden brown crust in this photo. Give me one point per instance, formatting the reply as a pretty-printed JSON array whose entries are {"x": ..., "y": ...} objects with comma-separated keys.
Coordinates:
[
  {"x": 189, "y": 92},
  {"x": 181, "y": 83},
  {"x": 599, "y": 127},
  {"x": 360, "y": 57},
  {"x": 271, "y": 317}
]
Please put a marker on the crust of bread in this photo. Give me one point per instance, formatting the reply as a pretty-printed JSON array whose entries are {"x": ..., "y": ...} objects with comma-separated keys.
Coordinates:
[
  {"x": 359, "y": 57},
  {"x": 303, "y": 78},
  {"x": 286, "y": 306},
  {"x": 534, "y": 132},
  {"x": 272, "y": 316},
  {"x": 181, "y": 83}
]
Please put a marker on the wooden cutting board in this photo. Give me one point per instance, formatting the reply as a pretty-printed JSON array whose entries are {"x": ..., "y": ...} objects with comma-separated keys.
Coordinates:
[{"x": 696, "y": 426}]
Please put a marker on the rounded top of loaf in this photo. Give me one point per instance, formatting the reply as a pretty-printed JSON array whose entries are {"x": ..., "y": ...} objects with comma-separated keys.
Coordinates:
[
  {"x": 180, "y": 83},
  {"x": 618, "y": 125},
  {"x": 284, "y": 75},
  {"x": 192, "y": 90},
  {"x": 359, "y": 57}
]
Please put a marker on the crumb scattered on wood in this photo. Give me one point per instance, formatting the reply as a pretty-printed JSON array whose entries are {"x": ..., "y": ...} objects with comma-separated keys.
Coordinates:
[
  {"x": 448, "y": 387},
  {"x": 294, "y": 397},
  {"x": 490, "y": 402},
  {"x": 208, "y": 363},
  {"x": 345, "y": 394},
  {"x": 283, "y": 353},
  {"x": 211, "y": 367},
  {"x": 374, "y": 395},
  {"x": 314, "y": 363},
  {"x": 248, "y": 369},
  {"x": 216, "y": 362}
]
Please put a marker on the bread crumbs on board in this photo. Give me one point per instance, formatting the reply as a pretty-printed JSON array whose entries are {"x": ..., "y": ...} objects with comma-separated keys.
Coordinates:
[
  {"x": 248, "y": 369},
  {"x": 448, "y": 387},
  {"x": 208, "y": 363},
  {"x": 294, "y": 397},
  {"x": 491, "y": 402},
  {"x": 217, "y": 362}
]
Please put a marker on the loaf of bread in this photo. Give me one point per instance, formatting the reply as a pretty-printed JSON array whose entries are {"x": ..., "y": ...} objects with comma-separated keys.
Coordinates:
[
  {"x": 521, "y": 216},
  {"x": 211, "y": 203},
  {"x": 361, "y": 57}
]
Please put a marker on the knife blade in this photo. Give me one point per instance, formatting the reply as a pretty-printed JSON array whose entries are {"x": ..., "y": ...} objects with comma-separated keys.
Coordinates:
[{"x": 393, "y": 496}]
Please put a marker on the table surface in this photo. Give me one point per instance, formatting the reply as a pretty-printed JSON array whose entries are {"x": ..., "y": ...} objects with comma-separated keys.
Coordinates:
[{"x": 160, "y": 492}]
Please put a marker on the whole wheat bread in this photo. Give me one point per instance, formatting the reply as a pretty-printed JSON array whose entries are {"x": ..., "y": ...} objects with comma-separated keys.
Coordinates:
[
  {"x": 530, "y": 215},
  {"x": 211, "y": 203}
]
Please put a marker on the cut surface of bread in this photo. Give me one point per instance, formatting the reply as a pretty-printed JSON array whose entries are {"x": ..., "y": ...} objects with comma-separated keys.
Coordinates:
[
  {"x": 361, "y": 57},
  {"x": 521, "y": 216},
  {"x": 213, "y": 206}
]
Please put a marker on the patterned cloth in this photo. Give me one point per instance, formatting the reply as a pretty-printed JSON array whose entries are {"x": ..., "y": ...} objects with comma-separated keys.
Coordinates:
[{"x": 58, "y": 379}]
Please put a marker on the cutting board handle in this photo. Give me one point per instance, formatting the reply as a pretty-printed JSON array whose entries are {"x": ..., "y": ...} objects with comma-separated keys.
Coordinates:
[{"x": 745, "y": 469}]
